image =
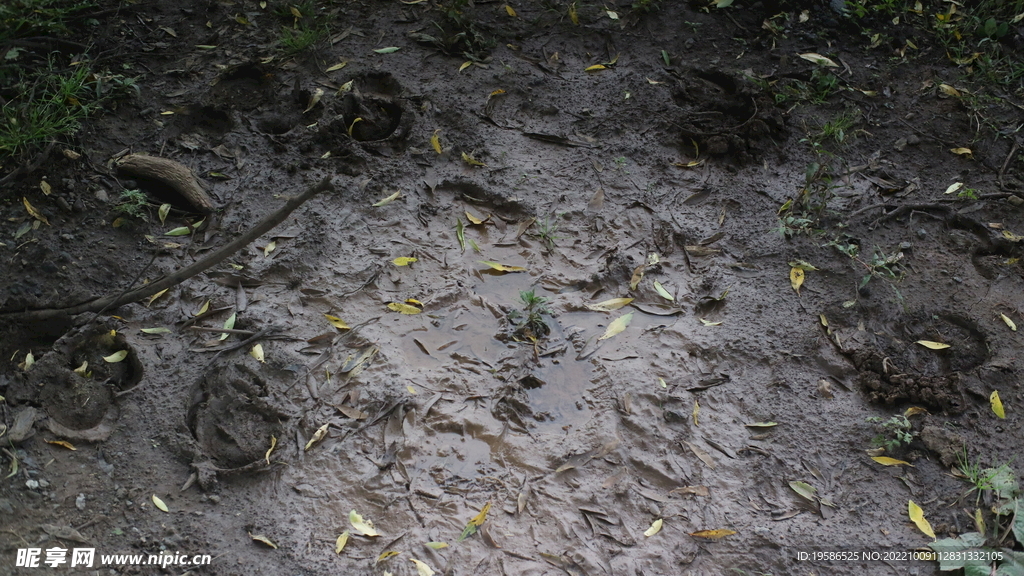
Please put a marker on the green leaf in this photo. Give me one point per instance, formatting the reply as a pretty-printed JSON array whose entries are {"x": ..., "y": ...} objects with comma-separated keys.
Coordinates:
[
  {"x": 1018, "y": 520},
  {"x": 155, "y": 330},
  {"x": 387, "y": 50},
  {"x": 804, "y": 489},
  {"x": 460, "y": 233},
  {"x": 229, "y": 324},
  {"x": 184, "y": 230}
]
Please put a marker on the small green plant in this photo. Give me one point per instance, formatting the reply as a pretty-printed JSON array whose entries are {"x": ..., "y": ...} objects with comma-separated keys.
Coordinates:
[
  {"x": 966, "y": 193},
  {"x": 47, "y": 106},
  {"x": 529, "y": 321},
  {"x": 892, "y": 433},
  {"x": 133, "y": 203},
  {"x": 294, "y": 40},
  {"x": 838, "y": 128},
  {"x": 546, "y": 228}
]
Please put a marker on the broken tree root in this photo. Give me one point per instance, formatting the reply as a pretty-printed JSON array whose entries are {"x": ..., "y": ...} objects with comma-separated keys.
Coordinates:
[
  {"x": 170, "y": 173},
  {"x": 214, "y": 258}
]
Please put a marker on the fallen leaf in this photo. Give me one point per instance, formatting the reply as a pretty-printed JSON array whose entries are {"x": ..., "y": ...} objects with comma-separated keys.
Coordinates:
[
  {"x": 403, "y": 308},
  {"x": 155, "y": 296},
  {"x": 803, "y": 265},
  {"x": 712, "y": 534},
  {"x": 63, "y": 444},
  {"x": 655, "y": 528},
  {"x": 886, "y": 461},
  {"x": 932, "y": 345},
  {"x": 460, "y": 233},
  {"x": 317, "y": 436},
  {"x": 404, "y": 261},
  {"x": 662, "y": 292},
  {"x": 363, "y": 527},
  {"x": 435, "y": 141},
  {"x": 638, "y": 275},
  {"x": 184, "y": 230},
  {"x": 595, "y": 68},
  {"x": 203, "y": 308},
  {"x": 162, "y": 212},
  {"x": 617, "y": 325},
  {"x": 573, "y": 15},
  {"x": 388, "y": 50},
  {"x": 387, "y": 200},
  {"x": 695, "y": 490},
  {"x": 696, "y": 412},
  {"x": 421, "y": 567},
  {"x": 257, "y": 353},
  {"x": 465, "y": 65},
  {"x": 762, "y": 425},
  {"x": 914, "y": 410},
  {"x": 314, "y": 99},
  {"x": 917, "y": 517},
  {"x": 352, "y": 126},
  {"x": 502, "y": 267},
  {"x": 609, "y": 305},
  {"x": 612, "y": 15},
  {"x": 270, "y": 247},
  {"x": 337, "y": 322},
  {"x": 82, "y": 370},
  {"x": 346, "y": 87},
  {"x": 707, "y": 322},
  {"x": 818, "y": 59},
  {"x": 796, "y": 279},
  {"x": 512, "y": 13},
  {"x": 273, "y": 444},
  {"x": 45, "y": 187},
  {"x": 954, "y": 187},
  {"x": 387, "y": 556},
  {"x": 229, "y": 324},
  {"x": 33, "y": 212},
  {"x": 159, "y": 503},
  {"x": 962, "y": 152},
  {"x": 436, "y": 545},
  {"x": 804, "y": 489},
  {"x": 1008, "y": 322},
  {"x": 475, "y": 522},
  {"x": 704, "y": 456},
  {"x": 997, "y": 404},
  {"x": 474, "y": 219},
  {"x": 116, "y": 357},
  {"x": 337, "y": 66},
  {"x": 339, "y": 544},
  {"x": 949, "y": 90},
  {"x": 262, "y": 540},
  {"x": 471, "y": 160}
]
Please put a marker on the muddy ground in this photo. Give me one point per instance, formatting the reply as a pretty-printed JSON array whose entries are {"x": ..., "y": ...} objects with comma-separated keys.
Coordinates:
[{"x": 679, "y": 169}]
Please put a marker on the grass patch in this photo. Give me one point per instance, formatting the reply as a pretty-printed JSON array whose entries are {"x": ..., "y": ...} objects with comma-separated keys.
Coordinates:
[
  {"x": 21, "y": 18},
  {"x": 44, "y": 108}
]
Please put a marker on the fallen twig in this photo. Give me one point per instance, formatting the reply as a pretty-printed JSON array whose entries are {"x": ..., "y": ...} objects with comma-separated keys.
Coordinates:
[{"x": 214, "y": 258}]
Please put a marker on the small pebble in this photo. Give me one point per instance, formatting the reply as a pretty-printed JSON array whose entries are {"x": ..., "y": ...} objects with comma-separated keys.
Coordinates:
[
  {"x": 80, "y": 502},
  {"x": 921, "y": 233},
  {"x": 102, "y": 196},
  {"x": 215, "y": 498},
  {"x": 32, "y": 484},
  {"x": 43, "y": 483}
]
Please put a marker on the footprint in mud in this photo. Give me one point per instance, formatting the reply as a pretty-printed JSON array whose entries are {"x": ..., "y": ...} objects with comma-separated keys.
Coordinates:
[
  {"x": 232, "y": 418},
  {"x": 77, "y": 382},
  {"x": 893, "y": 368}
]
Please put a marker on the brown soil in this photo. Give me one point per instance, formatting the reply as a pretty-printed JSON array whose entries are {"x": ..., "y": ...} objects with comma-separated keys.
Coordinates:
[{"x": 579, "y": 443}]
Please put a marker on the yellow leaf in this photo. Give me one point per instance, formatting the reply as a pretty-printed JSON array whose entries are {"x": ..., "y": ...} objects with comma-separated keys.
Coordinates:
[
  {"x": 339, "y": 544},
  {"x": 388, "y": 200},
  {"x": 617, "y": 325},
  {"x": 502, "y": 267},
  {"x": 421, "y": 567},
  {"x": 1008, "y": 322},
  {"x": 257, "y": 353},
  {"x": 353, "y": 125},
  {"x": 796, "y": 278},
  {"x": 338, "y": 66},
  {"x": 914, "y": 411},
  {"x": 317, "y": 436},
  {"x": 273, "y": 444},
  {"x": 346, "y": 87},
  {"x": 662, "y": 292},
  {"x": 712, "y": 534},
  {"x": 162, "y": 212},
  {"x": 595, "y": 68},
  {"x": 33, "y": 212},
  {"x": 411, "y": 389},
  {"x": 962, "y": 152},
  {"x": 437, "y": 545},
  {"x": 954, "y": 187},
  {"x": 45, "y": 187},
  {"x": 886, "y": 461},
  {"x": 387, "y": 555},
  {"x": 818, "y": 59},
  {"x": 81, "y": 370},
  {"x": 696, "y": 412},
  {"x": 949, "y": 90},
  {"x": 337, "y": 322},
  {"x": 512, "y": 13},
  {"x": 655, "y": 528},
  {"x": 997, "y": 404},
  {"x": 435, "y": 141},
  {"x": 262, "y": 540},
  {"x": 159, "y": 503},
  {"x": 474, "y": 219},
  {"x": 481, "y": 516},
  {"x": 271, "y": 246},
  {"x": 638, "y": 275},
  {"x": 917, "y": 517},
  {"x": 707, "y": 322},
  {"x": 609, "y": 305},
  {"x": 403, "y": 308},
  {"x": 404, "y": 261},
  {"x": 314, "y": 99},
  {"x": 116, "y": 357},
  {"x": 932, "y": 345},
  {"x": 229, "y": 324},
  {"x": 363, "y": 527},
  {"x": 203, "y": 309},
  {"x": 471, "y": 161},
  {"x": 155, "y": 296},
  {"x": 62, "y": 444},
  {"x": 573, "y": 15},
  {"x": 465, "y": 65}
]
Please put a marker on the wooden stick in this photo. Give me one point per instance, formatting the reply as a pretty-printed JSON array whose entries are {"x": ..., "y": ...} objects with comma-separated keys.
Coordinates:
[
  {"x": 211, "y": 260},
  {"x": 170, "y": 173}
]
